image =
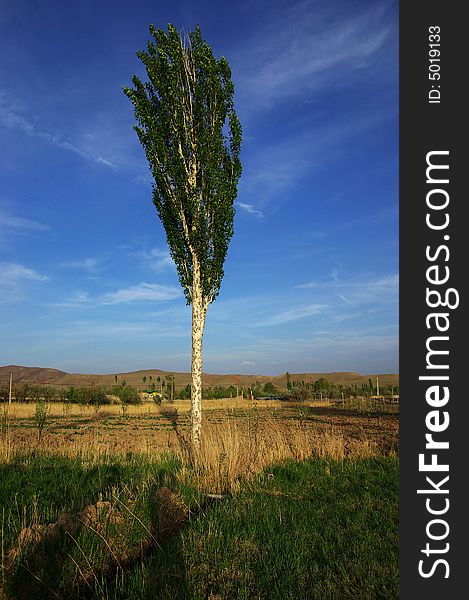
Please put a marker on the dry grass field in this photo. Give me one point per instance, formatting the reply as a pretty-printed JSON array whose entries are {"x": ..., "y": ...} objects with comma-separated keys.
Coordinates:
[
  {"x": 108, "y": 503},
  {"x": 240, "y": 437}
]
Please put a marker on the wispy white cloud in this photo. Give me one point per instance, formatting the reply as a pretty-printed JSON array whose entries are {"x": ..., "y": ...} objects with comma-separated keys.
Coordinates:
[
  {"x": 74, "y": 332},
  {"x": 106, "y": 162},
  {"x": 88, "y": 264},
  {"x": 12, "y": 117},
  {"x": 11, "y": 225},
  {"x": 274, "y": 172},
  {"x": 76, "y": 300},
  {"x": 142, "y": 292},
  {"x": 274, "y": 169},
  {"x": 12, "y": 273},
  {"x": 346, "y": 300},
  {"x": 249, "y": 208},
  {"x": 345, "y": 347},
  {"x": 375, "y": 291},
  {"x": 293, "y": 314},
  {"x": 144, "y": 179},
  {"x": 375, "y": 218},
  {"x": 156, "y": 259},
  {"x": 14, "y": 279},
  {"x": 302, "y": 49},
  {"x": 349, "y": 350},
  {"x": 107, "y": 136},
  {"x": 335, "y": 272},
  {"x": 358, "y": 280},
  {"x": 21, "y": 224},
  {"x": 381, "y": 291},
  {"x": 363, "y": 350}
]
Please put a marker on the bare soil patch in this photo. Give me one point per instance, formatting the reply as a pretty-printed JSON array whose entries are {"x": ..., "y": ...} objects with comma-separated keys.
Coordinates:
[{"x": 158, "y": 429}]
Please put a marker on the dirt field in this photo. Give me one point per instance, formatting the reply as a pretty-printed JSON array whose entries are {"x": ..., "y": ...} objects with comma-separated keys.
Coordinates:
[{"x": 149, "y": 428}]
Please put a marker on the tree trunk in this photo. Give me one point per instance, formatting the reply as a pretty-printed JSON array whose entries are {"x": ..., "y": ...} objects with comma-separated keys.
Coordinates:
[{"x": 198, "y": 324}]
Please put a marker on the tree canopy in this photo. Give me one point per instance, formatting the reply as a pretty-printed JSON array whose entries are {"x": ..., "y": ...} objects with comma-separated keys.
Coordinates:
[{"x": 191, "y": 135}]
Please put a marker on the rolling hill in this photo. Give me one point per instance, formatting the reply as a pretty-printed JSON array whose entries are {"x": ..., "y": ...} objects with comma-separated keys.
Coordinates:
[{"x": 43, "y": 376}]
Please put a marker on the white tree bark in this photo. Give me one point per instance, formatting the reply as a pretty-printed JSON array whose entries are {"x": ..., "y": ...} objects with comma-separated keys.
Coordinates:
[{"x": 199, "y": 311}]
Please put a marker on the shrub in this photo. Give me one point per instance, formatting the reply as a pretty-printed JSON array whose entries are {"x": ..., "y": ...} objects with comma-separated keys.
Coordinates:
[
  {"x": 87, "y": 395},
  {"x": 97, "y": 396},
  {"x": 49, "y": 394},
  {"x": 4, "y": 393},
  {"x": 22, "y": 392},
  {"x": 185, "y": 393},
  {"x": 40, "y": 416},
  {"x": 269, "y": 389},
  {"x": 300, "y": 394},
  {"x": 127, "y": 395},
  {"x": 75, "y": 395}
]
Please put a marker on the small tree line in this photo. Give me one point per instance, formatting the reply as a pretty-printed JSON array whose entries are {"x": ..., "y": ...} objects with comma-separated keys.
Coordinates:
[
  {"x": 322, "y": 388},
  {"x": 86, "y": 395},
  {"x": 167, "y": 390}
]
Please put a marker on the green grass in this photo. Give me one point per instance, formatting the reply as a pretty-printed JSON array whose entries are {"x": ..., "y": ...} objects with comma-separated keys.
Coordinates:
[
  {"x": 314, "y": 530},
  {"x": 318, "y": 529},
  {"x": 37, "y": 487}
]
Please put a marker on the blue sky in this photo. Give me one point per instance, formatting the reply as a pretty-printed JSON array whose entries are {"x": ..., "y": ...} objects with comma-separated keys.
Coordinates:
[{"x": 311, "y": 278}]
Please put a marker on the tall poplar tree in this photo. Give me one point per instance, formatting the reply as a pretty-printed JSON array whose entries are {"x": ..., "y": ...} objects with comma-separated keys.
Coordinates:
[{"x": 191, "y": 135}]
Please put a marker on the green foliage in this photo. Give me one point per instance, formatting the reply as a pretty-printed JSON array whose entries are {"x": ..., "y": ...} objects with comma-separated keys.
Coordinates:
[
  {"x": 171, "y": 383},
  {"x": 4, "y": 393},
  {"x": 185, "y": 393},
  {"x": 50, "y": 394},
  {"x": 94, "y": 395},
  {"x": 127, "y": 395},
  {"x": 40, "y": 416},
  {"x": 269, "y": 389},
  {"x": 27, "y": 392},
  {"x": 75, "y": 395},
  {"x": 23, "y": 392},
  {"x": 217, "y": 392},
  {"x": 300, "y": 394},
  {"x": 257, "y": 389},
  {"x": 191, "y": 135},
  {"x": 322, "y": 388}
]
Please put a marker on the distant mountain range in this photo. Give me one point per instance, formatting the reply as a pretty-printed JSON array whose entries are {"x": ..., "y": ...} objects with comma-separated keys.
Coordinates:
[{"x": 39, "y": 375}]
